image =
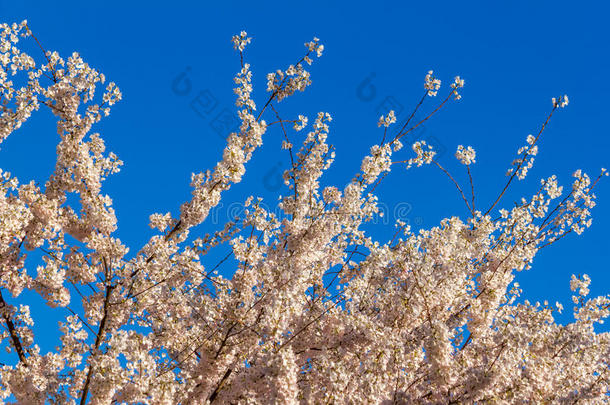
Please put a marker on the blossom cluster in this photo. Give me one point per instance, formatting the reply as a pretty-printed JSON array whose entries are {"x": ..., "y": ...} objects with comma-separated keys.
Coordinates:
[
  {"x": 432, "y": 84},
  {"x": 466, "y": 156},
  {"x": 316, "y": 310}
]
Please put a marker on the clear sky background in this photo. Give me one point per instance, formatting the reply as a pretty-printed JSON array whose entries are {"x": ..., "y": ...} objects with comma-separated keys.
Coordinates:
[{"x": 514, "y": 56}]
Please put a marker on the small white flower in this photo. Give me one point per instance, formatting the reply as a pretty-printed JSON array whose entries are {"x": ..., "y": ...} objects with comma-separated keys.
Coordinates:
[
  {"x": 458, "y": 83},
  {"x": 562, "y": 102},
  {"x": 240, "y": 41},
  {"x": 387, "y": 120},
  {"x": 466, "y": 155},
  {"x": 301, "y": 123},
  {"x": 432, "y": 84}
]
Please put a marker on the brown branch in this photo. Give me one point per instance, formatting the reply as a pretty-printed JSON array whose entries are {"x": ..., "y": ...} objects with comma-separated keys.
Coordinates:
[
  {"x": 497, "y": 356},
  {"x": 525, "y": 156},
  {"x": 471, "y": 209},
  {"x": 44, "y": 52},
  {"x": 219, "y": 386},
  {"x": 408, "y": 119},
  {"x": 12, "y": 331},
  {"x": 292, "y": 165},
  {"x": 471, "y": 188},
  {"x": 400, "y": 135},
  {"x": 98, "y": 341}
]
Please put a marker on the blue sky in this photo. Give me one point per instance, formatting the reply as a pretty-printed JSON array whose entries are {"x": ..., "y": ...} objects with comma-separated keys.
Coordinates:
[{"x": 513, "y": 55}]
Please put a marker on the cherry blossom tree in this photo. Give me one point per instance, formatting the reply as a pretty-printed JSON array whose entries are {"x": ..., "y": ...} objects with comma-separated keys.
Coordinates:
[{"x": 316, "y": 311}]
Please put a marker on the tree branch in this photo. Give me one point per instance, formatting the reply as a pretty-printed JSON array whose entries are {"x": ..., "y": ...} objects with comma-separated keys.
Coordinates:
[
  {"x": 98, "y": 341},
  {"x": 12, "y": 331}
]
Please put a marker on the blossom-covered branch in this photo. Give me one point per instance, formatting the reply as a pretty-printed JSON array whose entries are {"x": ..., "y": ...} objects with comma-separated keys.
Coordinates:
[{"x": 316, "y": 310}]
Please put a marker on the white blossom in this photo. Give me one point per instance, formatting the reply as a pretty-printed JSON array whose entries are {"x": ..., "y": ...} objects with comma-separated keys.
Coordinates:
[
  {"x": 240, "y": 41},
  {"x": 466, "y": 155},
  {"x": 561, "y": 102},
  {"x": 387, "y": 120},
  {"x": 432, "y": 84},
  {"x": 308, "y": 305}
]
